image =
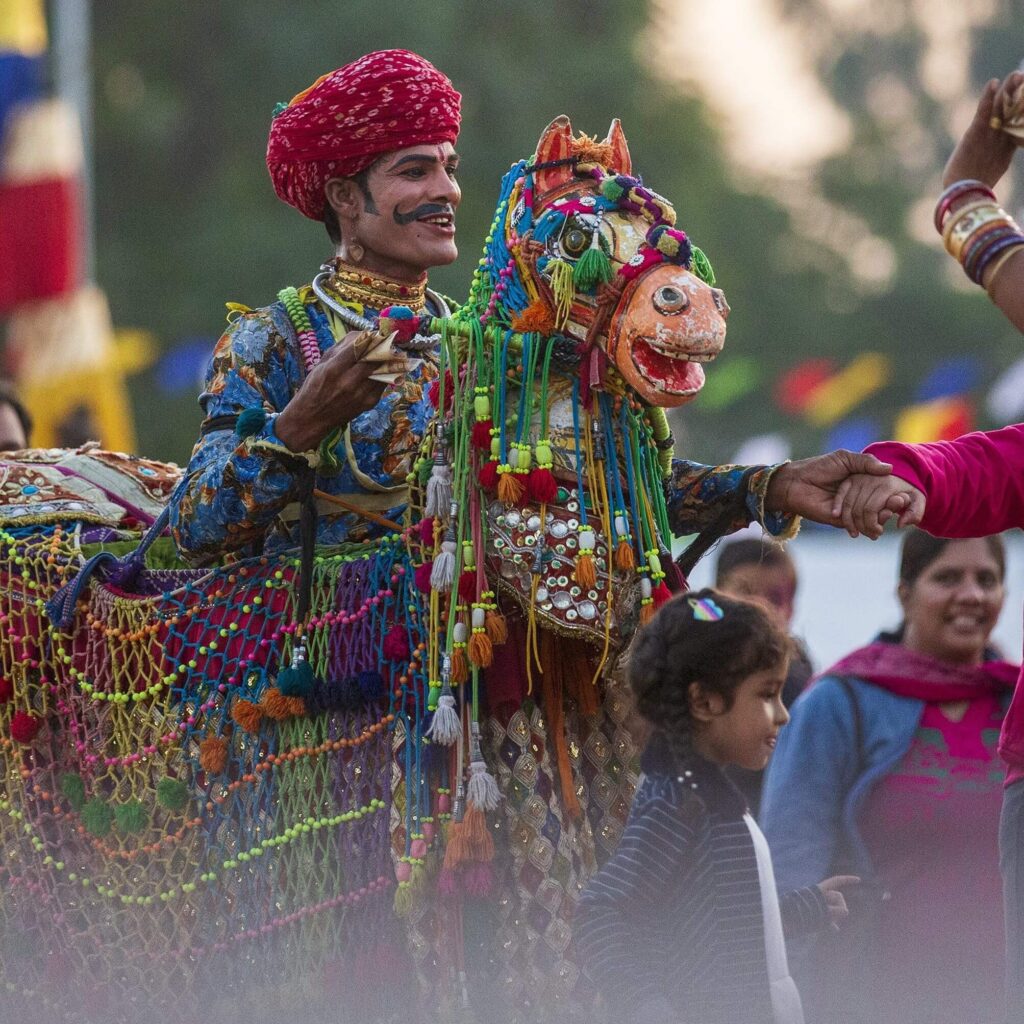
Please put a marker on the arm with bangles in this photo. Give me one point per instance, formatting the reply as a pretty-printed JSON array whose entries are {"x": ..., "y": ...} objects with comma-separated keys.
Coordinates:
[{"x": 975, "y": 230}]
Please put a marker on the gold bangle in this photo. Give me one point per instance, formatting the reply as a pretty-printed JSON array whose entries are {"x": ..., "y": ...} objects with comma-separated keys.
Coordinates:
[
  {"x": 1001, "y": 260},
  {"x": 966, "y": 221}
]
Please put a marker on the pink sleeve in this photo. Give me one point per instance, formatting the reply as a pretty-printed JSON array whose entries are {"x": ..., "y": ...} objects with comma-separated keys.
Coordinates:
[{"x": 974, "y": 485}]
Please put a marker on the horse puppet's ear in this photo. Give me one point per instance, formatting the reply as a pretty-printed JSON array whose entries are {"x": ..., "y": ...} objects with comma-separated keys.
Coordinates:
[
  {"x": 621, "y": 162},
  {"x": 554, "y": 144}
]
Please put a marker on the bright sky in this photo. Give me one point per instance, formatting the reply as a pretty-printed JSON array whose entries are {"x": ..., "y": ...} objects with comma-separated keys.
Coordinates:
[{"x": 756, "y": 72}]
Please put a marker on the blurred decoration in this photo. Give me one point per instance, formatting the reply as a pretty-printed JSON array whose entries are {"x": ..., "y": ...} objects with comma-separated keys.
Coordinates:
[
  {"x": 1005, "y": 400},
  {"x": 731, "y": 381},
  {"x": 183, "y": 368},
  {"x": 796, "y": 387},
  {"x": 854, "y": 434},
  {"x": 844, "y": 391},
  {"x": 940, "y": 420},
  {"x": 72, "y": 367},
  {"x": 22, "y": 54},
  {"x": 951, "y": 377},
  {"x": 61, "y": 349},
  {"x": 765, "y": 449},
  {"x": 39, "y": 204}
]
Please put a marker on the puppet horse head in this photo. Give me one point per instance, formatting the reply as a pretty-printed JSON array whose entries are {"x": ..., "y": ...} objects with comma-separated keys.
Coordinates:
[{"x": 580, "y": 247}]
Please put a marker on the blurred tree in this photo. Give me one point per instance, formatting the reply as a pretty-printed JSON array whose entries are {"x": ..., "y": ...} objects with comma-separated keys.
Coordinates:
[{"x": 187, "y": 219}]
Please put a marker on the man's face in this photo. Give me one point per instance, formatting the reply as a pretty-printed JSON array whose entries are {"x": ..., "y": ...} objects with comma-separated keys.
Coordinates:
[
  {"x": 12, "y": 435},
  {"x": 406, "y": 224}
]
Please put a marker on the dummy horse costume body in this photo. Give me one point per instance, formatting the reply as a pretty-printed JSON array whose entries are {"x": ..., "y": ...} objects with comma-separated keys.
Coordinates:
[{"x": 274, "y": 785}]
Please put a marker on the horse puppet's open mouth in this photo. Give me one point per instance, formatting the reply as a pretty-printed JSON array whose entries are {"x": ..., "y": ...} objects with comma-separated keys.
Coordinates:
[{"x": 672, "y": 372}]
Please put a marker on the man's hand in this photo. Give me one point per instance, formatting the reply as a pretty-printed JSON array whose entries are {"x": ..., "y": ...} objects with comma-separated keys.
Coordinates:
[
  {"x": 983, "y": 152},
  {"x": 832, "y": 890},
  {"x": 334, "y": 393},
  {"x": 866, "y": 503},
  {"x": 809, "y": 487}
]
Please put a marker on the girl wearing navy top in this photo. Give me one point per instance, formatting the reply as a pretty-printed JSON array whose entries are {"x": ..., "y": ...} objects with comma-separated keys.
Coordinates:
[{"x": 684, "y": 923}]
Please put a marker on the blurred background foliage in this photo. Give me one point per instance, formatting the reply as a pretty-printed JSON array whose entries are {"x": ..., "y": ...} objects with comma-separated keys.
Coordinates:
[{"x": 186, "y": 218}]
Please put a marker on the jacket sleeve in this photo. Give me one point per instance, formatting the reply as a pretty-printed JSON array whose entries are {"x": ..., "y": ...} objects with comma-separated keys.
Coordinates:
[
  {"x": 233, "y": 487},
  {"x": 803, "y": 911},
  {"x": 610, "y": 926},
  {"x": 974, "y": 485},
  {"x": 813, "y": 769},
  {"x": 696, "y": 494}
]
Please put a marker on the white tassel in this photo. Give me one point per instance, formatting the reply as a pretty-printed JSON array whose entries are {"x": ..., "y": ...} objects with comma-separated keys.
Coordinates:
[
  {"x": 482, "y": 790},
  {"x": 445, "y": 727},
  {"x": 439, "y": 488},
  {"x": 442, "y": 574}
]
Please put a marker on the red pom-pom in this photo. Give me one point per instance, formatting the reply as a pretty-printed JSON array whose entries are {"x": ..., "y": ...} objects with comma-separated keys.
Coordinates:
[
  {"x": 467, "y": 586},
  {"x": 396, "y": 644},
  {"x": 661, "y": 594},
  {"x": 422, "y": 576},
  {"x": 482, "y": 434},
  {"x": 434, "y": 392},
  {"x": 426, "y": 529},
  {"x": 489, "y": 475},
  {"x": 24, "y": 726},
  {"x": 541, "y": 486},
  {"x": 6, "y": 690}
]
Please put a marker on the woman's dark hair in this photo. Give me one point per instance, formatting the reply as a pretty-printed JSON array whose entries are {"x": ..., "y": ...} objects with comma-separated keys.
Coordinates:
[
  {"x": 748, "y": 551},
  {"x": 8, "y": 396},
  {"x": 677, "y": 648},
  {"x": 920, "y": 549}
]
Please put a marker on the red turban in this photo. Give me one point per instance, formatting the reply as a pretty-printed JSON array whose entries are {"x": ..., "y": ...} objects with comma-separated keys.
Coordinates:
[{"x": 388, "y": 100}]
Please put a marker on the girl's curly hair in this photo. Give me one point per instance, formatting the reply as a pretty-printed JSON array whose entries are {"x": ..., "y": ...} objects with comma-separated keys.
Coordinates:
[{"x": 678, "y": 648}]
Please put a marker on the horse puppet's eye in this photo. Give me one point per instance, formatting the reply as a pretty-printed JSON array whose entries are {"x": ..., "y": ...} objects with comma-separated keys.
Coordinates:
[
  {"x": 575, "y": 242},
  {"x": 669, "y": 300}
]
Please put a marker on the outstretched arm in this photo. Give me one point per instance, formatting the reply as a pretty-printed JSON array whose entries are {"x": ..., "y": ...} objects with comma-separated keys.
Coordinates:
[{"x": 984, "y": 154}]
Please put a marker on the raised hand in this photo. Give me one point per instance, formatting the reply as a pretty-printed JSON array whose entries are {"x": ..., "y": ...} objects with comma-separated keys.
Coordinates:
[
  {"x": 864, "y": 504},
  {"x": 335, "y": 392},
  {"x": 808, "y": 487},
  {"x": 984, "y": 152}
]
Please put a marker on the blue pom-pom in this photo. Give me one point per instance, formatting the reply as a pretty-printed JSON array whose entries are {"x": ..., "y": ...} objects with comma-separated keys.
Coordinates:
[
  {"x": 250, "y": 421},
  {"x": 371, "y": 684},
  {"x": 297, "y": 681},
  {"x": 398, "y": 313}
]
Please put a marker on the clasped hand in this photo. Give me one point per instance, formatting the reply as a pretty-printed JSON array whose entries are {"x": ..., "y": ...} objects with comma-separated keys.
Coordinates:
[{"x": 851, "y": 490}]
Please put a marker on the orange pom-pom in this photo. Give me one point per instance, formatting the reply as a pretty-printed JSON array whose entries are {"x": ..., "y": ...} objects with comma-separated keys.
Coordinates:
[
  {"x": 536, "y": 317},
  {"x": 510, "y": 488},
  {"x": 248, "y": 715},
  {"x": 646, "y": 613},
  {"x": 624, "y": 557},
  {"x": 296, "y": 707},
  {"x": 496, "y": 626},
  {"x": 459, "y": 849},
  {"x": 479, "y": 835},
  {"x": 480, "y": 650},
  {"x": 275, "y": 704},
  {"x": 585, "y": 573},
  {"x": 213, "y": 755},
  {"x": 459, "y": 671}
]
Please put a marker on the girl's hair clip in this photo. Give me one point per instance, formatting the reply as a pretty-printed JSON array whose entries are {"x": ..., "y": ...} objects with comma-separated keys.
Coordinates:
[{"x": 705, "y": 610}]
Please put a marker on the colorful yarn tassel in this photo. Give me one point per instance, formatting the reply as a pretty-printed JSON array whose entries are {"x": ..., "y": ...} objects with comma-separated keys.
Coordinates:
[{"x": 445, "y": 727}]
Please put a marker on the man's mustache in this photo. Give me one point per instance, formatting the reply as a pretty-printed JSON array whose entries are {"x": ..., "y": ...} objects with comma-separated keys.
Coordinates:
[{"x": 426, "y": 210}]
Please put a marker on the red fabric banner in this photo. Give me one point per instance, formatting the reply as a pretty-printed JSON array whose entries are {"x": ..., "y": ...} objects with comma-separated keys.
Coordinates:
[{"x": 40, "y": 251}]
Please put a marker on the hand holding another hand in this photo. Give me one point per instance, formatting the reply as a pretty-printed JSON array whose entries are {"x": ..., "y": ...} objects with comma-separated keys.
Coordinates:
[{"x": 864, "y": 504}]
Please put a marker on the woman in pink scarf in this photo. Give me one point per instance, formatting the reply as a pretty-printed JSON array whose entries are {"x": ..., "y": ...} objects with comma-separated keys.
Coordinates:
[
  {"x": 888, "y": 770},
  {"x": 972, "y": 486}
]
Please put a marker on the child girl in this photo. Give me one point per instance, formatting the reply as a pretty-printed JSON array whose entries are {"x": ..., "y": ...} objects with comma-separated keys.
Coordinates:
[{"x": 684, "y": 924}]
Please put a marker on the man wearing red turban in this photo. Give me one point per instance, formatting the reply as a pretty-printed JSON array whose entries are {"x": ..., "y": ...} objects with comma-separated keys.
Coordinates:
[{"x": 369, "y": 150}]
